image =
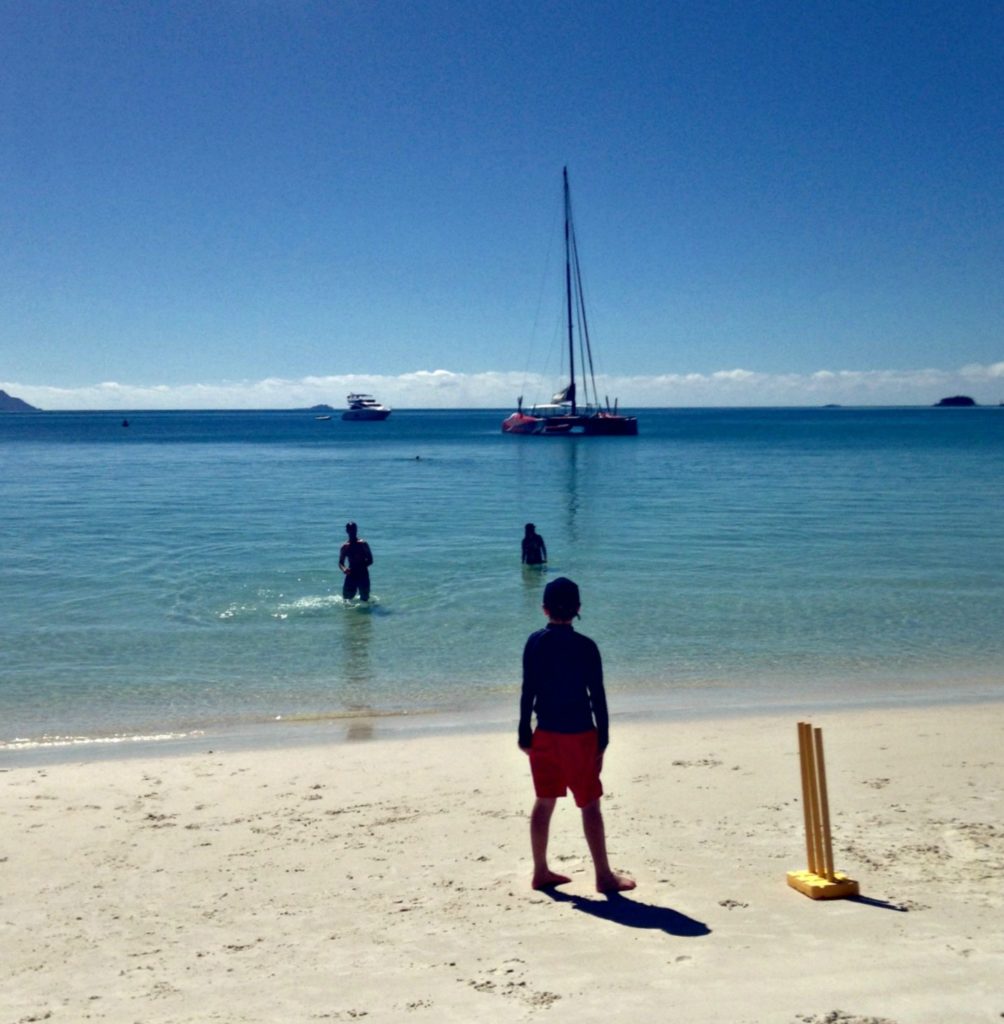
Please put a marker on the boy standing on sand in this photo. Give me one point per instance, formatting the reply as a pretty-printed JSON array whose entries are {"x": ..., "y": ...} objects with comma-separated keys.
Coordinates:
[{"x": 563, "y": 686}]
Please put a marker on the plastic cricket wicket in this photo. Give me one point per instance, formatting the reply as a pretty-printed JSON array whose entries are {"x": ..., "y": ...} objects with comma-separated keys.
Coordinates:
[{"x": 820, "y": 882}]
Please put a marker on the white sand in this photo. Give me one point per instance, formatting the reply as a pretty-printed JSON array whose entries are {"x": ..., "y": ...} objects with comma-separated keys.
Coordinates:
[{"x": 389, "y": 880}]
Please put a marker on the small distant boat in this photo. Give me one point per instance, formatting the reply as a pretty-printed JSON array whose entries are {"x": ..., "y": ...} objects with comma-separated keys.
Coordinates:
[
  {"x": 365, "y": 407},
  {"x": 564, "y": 415},
  {"x": 322, "y": 417}
]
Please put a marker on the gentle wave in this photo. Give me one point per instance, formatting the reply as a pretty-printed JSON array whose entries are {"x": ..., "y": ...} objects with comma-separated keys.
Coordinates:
[{"x": 55, "y": 742}]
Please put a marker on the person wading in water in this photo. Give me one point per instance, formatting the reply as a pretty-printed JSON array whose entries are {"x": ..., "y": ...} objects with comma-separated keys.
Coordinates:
[
  {"x": 534, "y": 548},
  {"x": 355, "y": 560}
]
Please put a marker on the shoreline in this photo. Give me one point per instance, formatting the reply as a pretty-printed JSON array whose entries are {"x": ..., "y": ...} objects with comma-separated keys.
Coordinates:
[
  {"x": 391, "y": 880},
  {"x": 363, "y": 726}
]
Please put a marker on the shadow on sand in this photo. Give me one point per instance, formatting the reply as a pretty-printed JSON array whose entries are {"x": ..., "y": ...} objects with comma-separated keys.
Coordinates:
[
  {"x": 870, "y": 901},
  {"x": 632, "y": 914}
]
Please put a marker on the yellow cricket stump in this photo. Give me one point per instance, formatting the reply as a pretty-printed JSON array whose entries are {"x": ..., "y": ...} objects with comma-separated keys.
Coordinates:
[{"x": 820, "y": 882}]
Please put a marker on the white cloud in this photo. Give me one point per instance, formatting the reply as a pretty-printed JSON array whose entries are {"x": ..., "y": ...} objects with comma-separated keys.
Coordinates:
[
  {"x": 977, "y": 372},
  {"x": 440, "y": 388}
]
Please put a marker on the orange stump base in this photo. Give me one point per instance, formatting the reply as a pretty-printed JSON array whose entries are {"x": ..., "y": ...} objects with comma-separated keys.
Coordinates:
[{"x": 818, "y": 888}]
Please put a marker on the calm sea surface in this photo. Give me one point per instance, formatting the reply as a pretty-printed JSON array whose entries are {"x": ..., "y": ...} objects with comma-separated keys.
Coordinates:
[{"x": 181, "y": 574}]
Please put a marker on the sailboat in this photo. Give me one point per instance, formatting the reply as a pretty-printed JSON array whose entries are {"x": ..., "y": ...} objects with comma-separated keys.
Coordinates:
[{"x": 564, "y": 415}]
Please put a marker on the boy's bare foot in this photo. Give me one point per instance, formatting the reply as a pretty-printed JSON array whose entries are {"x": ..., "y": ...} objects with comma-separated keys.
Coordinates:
[
  {"x": 549, "y": 879},
  {"x": 615, "y": 883}
]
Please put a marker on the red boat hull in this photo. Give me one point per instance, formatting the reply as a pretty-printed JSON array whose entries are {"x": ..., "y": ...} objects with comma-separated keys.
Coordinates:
[{"x": 601, "y": 424}]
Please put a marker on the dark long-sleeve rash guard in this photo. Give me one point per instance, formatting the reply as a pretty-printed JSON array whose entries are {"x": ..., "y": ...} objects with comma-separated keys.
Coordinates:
[{"x": 563, "y": 685}]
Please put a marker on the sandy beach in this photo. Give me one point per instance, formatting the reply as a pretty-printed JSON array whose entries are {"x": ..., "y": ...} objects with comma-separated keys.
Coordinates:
[{"x": 388, "y": 879}]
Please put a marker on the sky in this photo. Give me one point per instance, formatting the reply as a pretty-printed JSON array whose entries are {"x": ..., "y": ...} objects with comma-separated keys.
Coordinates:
[{"x": 263, "y": 204}]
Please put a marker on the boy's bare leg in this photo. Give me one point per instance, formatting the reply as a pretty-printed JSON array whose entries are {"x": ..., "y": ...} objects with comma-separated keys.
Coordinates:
[
  {"x": 540, "y": 830},
  {"x": 607, "y": 880}
]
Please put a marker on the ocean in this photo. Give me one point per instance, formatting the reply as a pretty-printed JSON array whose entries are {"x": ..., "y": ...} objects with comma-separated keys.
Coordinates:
[{"x": 178, "y": 577}]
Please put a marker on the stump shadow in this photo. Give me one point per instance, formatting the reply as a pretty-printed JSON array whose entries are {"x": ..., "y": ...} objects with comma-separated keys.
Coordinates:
[{"x": 871, "y": 901}]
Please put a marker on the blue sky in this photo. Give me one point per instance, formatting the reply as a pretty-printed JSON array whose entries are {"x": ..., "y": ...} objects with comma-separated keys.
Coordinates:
[{"x": 256, "y": 203}]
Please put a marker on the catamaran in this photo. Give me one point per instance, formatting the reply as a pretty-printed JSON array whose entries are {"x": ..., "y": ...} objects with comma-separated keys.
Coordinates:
[{"x": 563, "y": 415}]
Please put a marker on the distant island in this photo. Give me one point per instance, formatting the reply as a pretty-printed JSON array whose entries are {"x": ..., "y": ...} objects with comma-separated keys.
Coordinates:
[
  {"x": 320, "y": 408},
  {"x": 8, "y": 403},
  {"x": 956, "y": 400}
]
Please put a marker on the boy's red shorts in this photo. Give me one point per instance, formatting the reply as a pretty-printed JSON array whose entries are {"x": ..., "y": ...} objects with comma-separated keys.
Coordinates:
[{"x": 561, "y": 761}]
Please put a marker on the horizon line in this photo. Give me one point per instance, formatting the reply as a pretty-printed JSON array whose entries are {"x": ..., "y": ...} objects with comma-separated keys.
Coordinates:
[{"x": 503, "y": 409}]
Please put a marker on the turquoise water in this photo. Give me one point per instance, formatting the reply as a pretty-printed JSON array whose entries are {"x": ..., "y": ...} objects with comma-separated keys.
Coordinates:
[{"x": 181, "y": 574}]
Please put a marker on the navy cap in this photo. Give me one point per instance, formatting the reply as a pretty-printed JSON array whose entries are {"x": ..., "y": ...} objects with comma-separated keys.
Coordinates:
[{"x": 561, "y": 598}]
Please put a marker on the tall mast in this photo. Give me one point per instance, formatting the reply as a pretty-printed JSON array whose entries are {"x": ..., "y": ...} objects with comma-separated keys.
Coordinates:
[{"x": 568, "y": 292}]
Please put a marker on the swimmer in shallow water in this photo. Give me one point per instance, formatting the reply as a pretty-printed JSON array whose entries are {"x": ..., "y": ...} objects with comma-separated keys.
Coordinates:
[
  {"x": 534, "y": 548},
  {"x": 355, "y": 560}
]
